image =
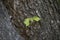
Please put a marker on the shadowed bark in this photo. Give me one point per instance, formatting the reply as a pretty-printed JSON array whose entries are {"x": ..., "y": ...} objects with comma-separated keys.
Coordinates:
[{"x": 48, "y": 28}]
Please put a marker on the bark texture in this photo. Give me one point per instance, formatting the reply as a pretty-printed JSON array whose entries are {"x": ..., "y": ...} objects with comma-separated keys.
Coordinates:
[
  {"x": 48, "y": 28},
  {"x": 7, "y": 30}
]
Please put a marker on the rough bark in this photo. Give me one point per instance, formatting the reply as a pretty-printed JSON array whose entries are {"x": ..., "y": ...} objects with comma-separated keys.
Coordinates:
[
  {"x": 48, "y": 28},
  {"x": 7, "y": 30}
]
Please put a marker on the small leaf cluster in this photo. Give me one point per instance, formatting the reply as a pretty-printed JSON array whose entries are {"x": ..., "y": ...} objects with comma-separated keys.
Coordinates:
[{"x": 27, "y": 20}]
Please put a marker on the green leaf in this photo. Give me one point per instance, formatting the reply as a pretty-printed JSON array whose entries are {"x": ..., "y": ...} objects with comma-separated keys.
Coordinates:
[
  {"x": 36, "y": 18},
  {"x": 26, "y": 21}
]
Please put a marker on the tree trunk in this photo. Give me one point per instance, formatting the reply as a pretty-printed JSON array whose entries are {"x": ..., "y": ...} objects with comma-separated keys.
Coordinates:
[
  {"x": 48, "y": 28},
  {"x": 7, "y": 31}
]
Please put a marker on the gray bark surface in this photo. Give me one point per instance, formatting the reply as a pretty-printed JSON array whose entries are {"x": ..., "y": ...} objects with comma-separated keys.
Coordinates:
[
  {"x": 7, "y": 30},
  {"x": 48, "y": 28}
]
